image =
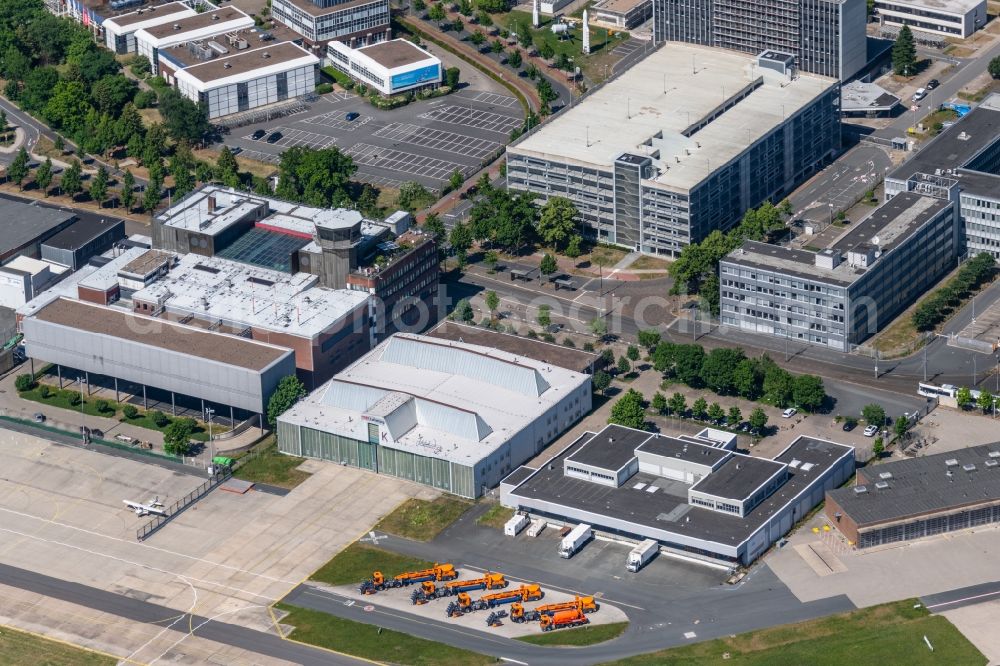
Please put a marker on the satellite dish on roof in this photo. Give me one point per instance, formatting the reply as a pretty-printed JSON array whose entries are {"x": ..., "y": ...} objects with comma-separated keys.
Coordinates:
[{"x": 875, "y": 240}]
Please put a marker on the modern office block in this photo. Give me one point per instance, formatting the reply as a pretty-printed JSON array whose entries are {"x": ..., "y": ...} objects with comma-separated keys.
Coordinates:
[
  {"x": 354, "y": 22},
  {"x": 937, "y": 18}
]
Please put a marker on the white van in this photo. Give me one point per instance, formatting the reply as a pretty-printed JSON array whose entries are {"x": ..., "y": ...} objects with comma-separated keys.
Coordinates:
[{"x": 920, "y": 94}]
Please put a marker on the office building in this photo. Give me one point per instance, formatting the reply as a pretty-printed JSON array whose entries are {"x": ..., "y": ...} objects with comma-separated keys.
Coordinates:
[
  {"x": 621, "y": 14},
  {"x": 962, "y": 163},
  {"x": 245, "y": 80},
  {"x": 695, "y": 495},
  {"x": 26, "y": 227},
  {"x": 119, "y": 31},
  {"x": 931, "y": 20},
  {"x": 870, "y": 100},
  {"x": 825, "y": 37},
  {"x": 22, "y": 278},
  {"x": 452, "y": 415},
  {"x": 75, "y": 245},
  {"x": 919, "y": 497},
  {"x": 151, "y": 40},
  {"x": 682, "y": 143},
  {"x": 391, "y": 67},
  {"x": 840, "y": 296},
  {"x": 354, "y": 22}
]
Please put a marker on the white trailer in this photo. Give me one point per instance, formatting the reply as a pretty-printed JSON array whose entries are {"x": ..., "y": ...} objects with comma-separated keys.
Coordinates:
[
  {"x": 573, "y": 541},
  {"x": 641, "y": 554},
  {"x": 516, "y": 523},
  {"x": 536, "y": 528}
]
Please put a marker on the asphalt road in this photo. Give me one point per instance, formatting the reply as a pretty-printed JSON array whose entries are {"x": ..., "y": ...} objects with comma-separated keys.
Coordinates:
[
  {"x": 265, "y": 644},
  {"x": 840, "y": 184},
  {"x": 966, "y": 596},
  {"x": 32, "y": 128}
]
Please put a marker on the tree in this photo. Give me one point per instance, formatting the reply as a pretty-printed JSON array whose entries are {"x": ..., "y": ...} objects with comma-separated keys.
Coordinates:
[
  {"x": 227, "y": 170},
  {"x": 599, "y": 327},
  {"x": 18, "y": 170},
  {"x": 573, "y": 249},
  {"x": 456, "y": 179},
  {"x": 873, "y": 414},
  {"x": 628, "y": 411},
  {"x": 963, "y": 397},
  {"x": 677, "y": 404},
  {"x": 546, "y": 51},
  {"x": 545, "y": 91},
  {"x": 985, "y": 401},
  {"x": 649, "y": 338},
  {"x": 758, "y": 420},
  {"x": 128, "y": 190},
  {"x": 289, "y": 391},
  {"x": 632, "y": 353},
  {"x": 717, "y": 369},
  {"x": 901, "y": 425},
  {"x": 658, "y": 403},
  {"x": 102, "y": 406},
  {"x": 99, "y": 186},
  {"x": 735, "y": 416},
  {"x": 70, "y": 182},
  {"x": 413, "y": 195},
  {"x": 514, "y": 58},
  {"x": 418, "y": 5},
  {"x": 436, "y": 12},
  {"x": 112, "y": 93},
  {"x": 544, "y": 316},
  {"x": 452, "y": 75},
  {"x": 505, "y": 218},
  {"x": 496, "y": 46},
  {"x": 491, "y": 258},
  {"x": 664, "y": 355},
  {"x": 130, "y": 411},
  {"x": 43, "y": 176},
  {"x": 715, "y": 412},
  {"x": 477, "y": 38},
  {"x": 457, "y": 26},
  {"x": 158, "y": 418},
  {"x": 699, "y": 408},
  {"x": 778, "y": 384},
  {"x": 878, "y": 447},
  {"x": 463, "y": 311},
  {"x": 151, "y": 198},
  {"x": 994, "y": 68},
  {"x": 624, "y": 367},
  {"x": 608, "y": 357},
  {"x": 177, "y": 437},
  {"x": 688, "y": 360},
  {"x": 904, "y": 53},
  {"x": 601, "y": 381},
  {"x": 435, "y": 228},
  {"x": 808, "y": 392},
  {"x": 548, "y": 265},
  {"x": 492, "y": 303},
  {"x": 747, "y": 379},
  {"x": 182, "y": 118},
  {"x": 3, "y": 120},
  {"x": 322, "y": 178},
  {"x": 557, "y": 221},
  {"x": 24, "y": 382}
]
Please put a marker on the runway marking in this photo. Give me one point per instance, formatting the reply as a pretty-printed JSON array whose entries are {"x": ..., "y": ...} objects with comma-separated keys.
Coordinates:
[{"x": 957, "y": 601}]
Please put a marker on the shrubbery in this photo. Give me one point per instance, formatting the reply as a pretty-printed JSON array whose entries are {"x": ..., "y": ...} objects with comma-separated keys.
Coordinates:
[{"x": 939, "y": 305}]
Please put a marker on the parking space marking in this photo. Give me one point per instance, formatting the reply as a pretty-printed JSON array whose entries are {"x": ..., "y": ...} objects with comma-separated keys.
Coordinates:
[
  {"x": 627, "y": 48},
  {"x": 430, "y": 137},
  {"x": 396, "y": 160},
  {"x": 295, "y": 137},
  {"x": 365, "y": 177},
  {"x": 261, "y": 157},
  {"x": 336, "y": 120},
  {"x": 492, "y": 98},
  {"x": 467, "y": 117}
]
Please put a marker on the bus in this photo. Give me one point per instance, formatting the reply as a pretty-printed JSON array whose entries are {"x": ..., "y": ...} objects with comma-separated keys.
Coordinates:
[{"x": 932, "y": 391}]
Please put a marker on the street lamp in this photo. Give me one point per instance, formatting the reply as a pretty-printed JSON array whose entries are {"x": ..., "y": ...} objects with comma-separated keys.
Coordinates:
[
  {"x": 211, "y": 446},
  {"x": 83, "y": 419}
]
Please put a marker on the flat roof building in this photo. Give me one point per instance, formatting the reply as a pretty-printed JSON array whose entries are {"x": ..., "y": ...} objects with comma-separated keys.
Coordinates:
[
  {"x": 825, "y": 37},
  {"x": 26, "y": 227},
  {"x": 693, "y": 494},
  {"x": 354, "y": 22},
  {"x": 931, "y": 20},
  {"x": 843, "y": 294},
  {"x": 539, "y": 350},
  {"x": 391, "y": 67},
  {"x": 962, "y": 163},
  {"x": 683, "y": 143},
  {"x": 151, "y": 40},
  {"x": 868, "y": 99},
  {"x": 621, "y": 14},
  {"x": 452, "y": 415},
  {"x": 119, "y": 31},
  {"x": 89, "y": 236},
  {"x": 919, "y": 497},
  {"x": 246, "y": 80}
]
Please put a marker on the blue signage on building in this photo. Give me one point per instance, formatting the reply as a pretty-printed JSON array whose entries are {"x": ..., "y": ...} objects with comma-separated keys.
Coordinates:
[{"x": 416, "y": 76}]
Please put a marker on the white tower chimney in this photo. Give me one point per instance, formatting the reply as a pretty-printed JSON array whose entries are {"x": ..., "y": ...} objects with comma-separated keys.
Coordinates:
[
  {"x": 586, "y": 33},
  {"x": 534, "y": 13}
]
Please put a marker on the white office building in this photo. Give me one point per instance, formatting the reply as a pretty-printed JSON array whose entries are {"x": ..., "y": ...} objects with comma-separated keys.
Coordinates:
[
  {"x": 932, "y": 18},
  {"x": 119, "y": 31},
  {"x": 151, "y": 40},
  {"x": 391, "y": 67},
  {"x": 249, "y": 79}
]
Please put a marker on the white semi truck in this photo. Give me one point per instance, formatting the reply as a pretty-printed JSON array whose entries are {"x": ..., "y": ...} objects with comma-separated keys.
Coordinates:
[
  {"x": 573, "y": 541},
  {"x": 641, "y": 554}
]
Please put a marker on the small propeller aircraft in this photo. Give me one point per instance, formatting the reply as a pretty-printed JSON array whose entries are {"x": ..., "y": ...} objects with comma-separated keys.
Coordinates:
[{"x": 152, "y": 506}]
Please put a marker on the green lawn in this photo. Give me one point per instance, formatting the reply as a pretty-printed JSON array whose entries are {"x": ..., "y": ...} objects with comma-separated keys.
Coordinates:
[
  {"x": 422, "y": 520},
  {"x": 887, "y": 634},
  {"x": 578, "y": 636},
  {"x": 496, "y": 517},
  {"x": 371, "y": 642},
  {"x": 17, "y": 647},
  {"x": 272, "y": 467},
  {"x": 357, "y": 562}
]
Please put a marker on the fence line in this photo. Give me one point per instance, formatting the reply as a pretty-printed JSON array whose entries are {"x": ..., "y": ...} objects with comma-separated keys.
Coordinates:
[{"x": 180, "y": 505}]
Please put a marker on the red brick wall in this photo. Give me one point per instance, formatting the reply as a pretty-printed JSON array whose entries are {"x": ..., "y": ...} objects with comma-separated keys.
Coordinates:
[
  {"x": 844, "y": 523},
  {"x": 96, "y": 295}
]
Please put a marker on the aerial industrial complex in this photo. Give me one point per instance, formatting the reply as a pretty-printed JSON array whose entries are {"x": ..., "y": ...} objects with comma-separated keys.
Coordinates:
[
  {"x": 448, "y": 414},
  {"x": 695, "y": 495},
  {"x": 682, "y": 144}
]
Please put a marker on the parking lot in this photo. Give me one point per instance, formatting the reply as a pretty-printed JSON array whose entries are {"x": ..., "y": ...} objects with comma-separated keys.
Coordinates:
[{"x": 426, "y": 141}]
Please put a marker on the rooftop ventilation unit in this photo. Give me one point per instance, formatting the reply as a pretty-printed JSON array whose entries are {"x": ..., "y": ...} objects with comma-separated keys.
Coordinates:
[
  {"x": 951, "y": 462},
  {"x": 860, "y": 490},
  {"x": 992, "y": 463},
  {"x": 994, "y": 454},
  {"x": 885, "y": 475},
  {"x": 882, "y": 485},
  {"x": 969, "y": 468}
]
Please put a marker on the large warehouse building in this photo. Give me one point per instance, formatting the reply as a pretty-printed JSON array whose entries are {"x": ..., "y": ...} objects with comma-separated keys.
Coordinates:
[
  {"x": 683, "y": 143},
  {"x": 451, "y": 415},
  {"x": 692, "y": 494},
  {"x": 919, "y": 497}
]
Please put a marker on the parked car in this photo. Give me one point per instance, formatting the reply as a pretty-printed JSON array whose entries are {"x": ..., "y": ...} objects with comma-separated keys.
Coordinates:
[
  {"x": 849, "y": 426},
  {"x": 932, "y": 84},
  {"x": 124, "y": 438},
  {"x": 789, "y": 413},
  {"x": 96, "y": 432},
  {"x": 258, "y": 135},
  {"x": 275, "y": 137},
  {"x": 235, "y": 150},
  {"x": 39, "y": 417},
  {"x": 871, "y": 431},
  {"x": 920, "y": 94},
  {"x": 351, "y": 115}
]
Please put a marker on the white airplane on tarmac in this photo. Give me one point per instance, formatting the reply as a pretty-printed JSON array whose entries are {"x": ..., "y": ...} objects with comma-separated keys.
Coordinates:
[{"x": 152, "y": 506}]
